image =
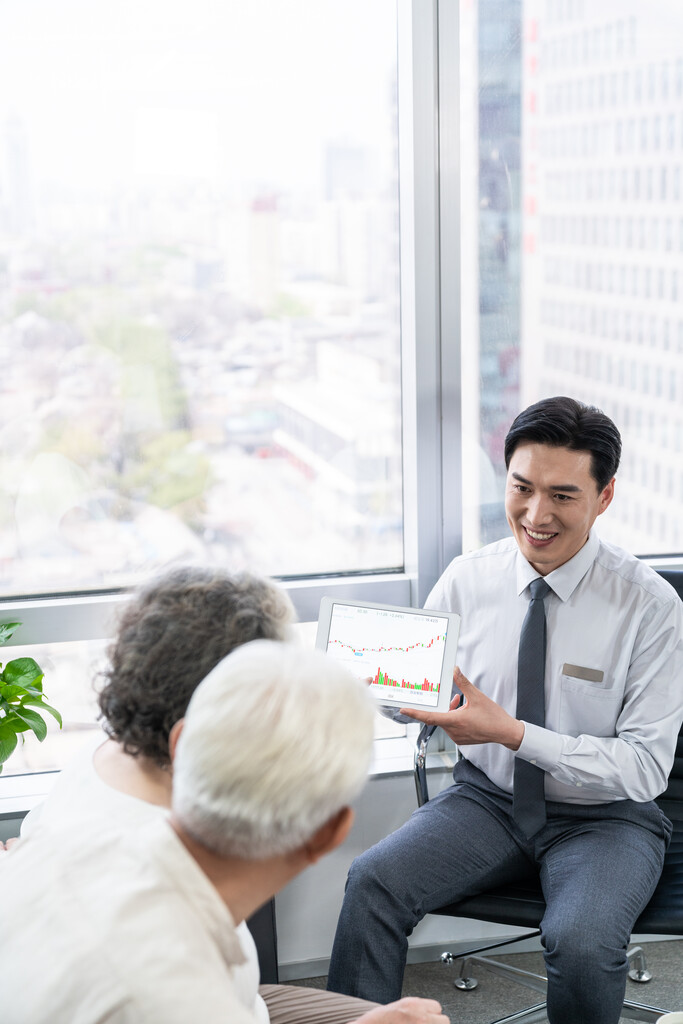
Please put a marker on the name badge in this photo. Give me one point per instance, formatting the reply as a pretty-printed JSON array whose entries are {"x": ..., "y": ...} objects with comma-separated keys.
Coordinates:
[{"x": 591, "y": 675}]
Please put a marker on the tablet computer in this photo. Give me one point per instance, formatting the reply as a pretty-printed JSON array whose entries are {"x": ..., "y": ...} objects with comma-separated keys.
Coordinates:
[{"x": 408, "y": 653}]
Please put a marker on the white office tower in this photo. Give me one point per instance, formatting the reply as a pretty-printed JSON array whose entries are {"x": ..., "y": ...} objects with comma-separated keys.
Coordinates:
[{"x": 602, "y": 238}]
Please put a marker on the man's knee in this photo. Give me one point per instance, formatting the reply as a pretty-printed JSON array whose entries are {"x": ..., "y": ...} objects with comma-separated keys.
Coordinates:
[
  {"x": 576, "y": 943},
  {"x": 369, "y": 874},
  {"x": 374, "y": 888}
]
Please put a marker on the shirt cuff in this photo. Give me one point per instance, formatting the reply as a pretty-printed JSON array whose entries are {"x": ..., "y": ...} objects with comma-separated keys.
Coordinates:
[{"x": 540, "y": 746}]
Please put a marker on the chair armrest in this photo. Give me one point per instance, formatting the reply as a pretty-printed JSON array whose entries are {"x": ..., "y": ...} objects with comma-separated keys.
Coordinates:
[{"x": 420, "y": 763}]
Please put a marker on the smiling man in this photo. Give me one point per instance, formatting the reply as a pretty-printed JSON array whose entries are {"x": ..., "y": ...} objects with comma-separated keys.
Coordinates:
[{"x": 570, "y": 663}]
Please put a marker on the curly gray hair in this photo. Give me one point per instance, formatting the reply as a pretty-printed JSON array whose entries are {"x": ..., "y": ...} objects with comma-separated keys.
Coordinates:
[{"x": 173, "y": 632}]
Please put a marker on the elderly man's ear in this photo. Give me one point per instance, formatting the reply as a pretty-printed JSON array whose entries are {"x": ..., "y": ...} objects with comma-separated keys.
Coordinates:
[
  {"x": 174, "y": 736},
  {"x": 329, "y": 836},
  {"x": 325, "y": 839}
]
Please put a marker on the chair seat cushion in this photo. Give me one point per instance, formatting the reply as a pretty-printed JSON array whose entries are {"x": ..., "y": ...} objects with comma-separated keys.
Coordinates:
[
  {"x": 664, "y": 912},
  {"x": 523, "y": 906}
]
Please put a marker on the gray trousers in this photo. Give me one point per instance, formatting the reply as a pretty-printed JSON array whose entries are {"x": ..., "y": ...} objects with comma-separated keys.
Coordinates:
[{"x": 598, "y": 868}]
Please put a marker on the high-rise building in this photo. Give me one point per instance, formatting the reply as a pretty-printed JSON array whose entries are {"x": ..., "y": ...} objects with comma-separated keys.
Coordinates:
[
  {"x": 602, "y": 144},
  {"x": 16, "y": 204}
]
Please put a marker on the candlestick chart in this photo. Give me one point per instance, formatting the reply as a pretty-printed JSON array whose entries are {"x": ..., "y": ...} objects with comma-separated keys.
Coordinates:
[{"x": 399, "y": 652}]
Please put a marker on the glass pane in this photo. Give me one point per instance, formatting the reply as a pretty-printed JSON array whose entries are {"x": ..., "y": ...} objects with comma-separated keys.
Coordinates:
[
  {"x": 199, "y": 289},
  {"x": 579, "y": 241},
  {"x": 69, "y": 670},
  {"x": 70, "y": 681}
]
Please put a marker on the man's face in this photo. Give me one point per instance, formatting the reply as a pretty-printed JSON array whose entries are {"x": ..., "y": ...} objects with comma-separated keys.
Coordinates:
[{"x": 551, "y": 503}]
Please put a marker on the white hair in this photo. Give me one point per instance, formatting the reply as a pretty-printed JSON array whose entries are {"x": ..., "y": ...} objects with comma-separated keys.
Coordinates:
[{"x": 276, "y": 740}]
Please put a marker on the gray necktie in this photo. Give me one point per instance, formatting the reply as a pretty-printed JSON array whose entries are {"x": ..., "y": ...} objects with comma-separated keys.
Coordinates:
[{"x": 528, "y": 798}]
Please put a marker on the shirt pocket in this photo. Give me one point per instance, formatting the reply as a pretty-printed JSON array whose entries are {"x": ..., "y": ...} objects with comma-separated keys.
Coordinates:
[{"x": 588, "y": 707}]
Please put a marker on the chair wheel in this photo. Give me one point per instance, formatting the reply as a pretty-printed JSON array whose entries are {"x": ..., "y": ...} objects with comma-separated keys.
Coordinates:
[
  {"x": 641, "y": 976},
  {"x": 466, "y": 984}
]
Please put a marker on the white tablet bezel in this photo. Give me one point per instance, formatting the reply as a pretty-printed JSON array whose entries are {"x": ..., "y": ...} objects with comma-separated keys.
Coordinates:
[{"x": 407, "y": 699}]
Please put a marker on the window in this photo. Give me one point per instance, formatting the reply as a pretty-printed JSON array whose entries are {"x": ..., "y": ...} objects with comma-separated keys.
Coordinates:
[
  {"x": 516, "y": 359},
  {"x": 274, "y": 284},
  {"x": 199, "y": 272},
  {"x": 200, "y": 287}
]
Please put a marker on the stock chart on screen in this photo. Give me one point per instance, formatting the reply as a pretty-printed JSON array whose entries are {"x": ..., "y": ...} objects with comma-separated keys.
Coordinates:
[{"x": 401, "y": 652}]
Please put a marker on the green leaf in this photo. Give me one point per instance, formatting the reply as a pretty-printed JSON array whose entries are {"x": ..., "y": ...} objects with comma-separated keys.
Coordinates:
[
  {"x": 12, "y": 693},
  {"x": 19, "y": 726},
  {"x": 7, "y": 744},
  {"x": 6, "y": 630},
  {"x": 11, "y": 723},
  {"x": 34, "y": 721},
  {"x": 23, "y": 672},
  {"x": 8, "y": 721},
  {"x": 40, "y": 703}
]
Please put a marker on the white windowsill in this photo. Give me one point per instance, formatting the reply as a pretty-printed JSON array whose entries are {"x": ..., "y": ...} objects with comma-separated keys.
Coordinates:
[{"x": 20, "y": 793}]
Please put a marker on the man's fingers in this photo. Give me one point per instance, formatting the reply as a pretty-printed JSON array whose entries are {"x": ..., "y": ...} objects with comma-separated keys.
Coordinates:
[
  {"x": 416, "y": 1010},
  {"x": 428, "y": 717},
  {"x": 410, "y": 1010},
  {"x": 419, "y": 716},
  {"x": 459, "y": 679},
  {"x": 430, "y": 1005}
]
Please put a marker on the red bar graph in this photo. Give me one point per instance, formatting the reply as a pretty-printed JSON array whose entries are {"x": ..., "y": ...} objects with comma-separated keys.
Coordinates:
[{"x": 383, "y": 679}]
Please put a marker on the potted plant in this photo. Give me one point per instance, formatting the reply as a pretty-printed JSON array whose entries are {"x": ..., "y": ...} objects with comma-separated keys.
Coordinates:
[{"x": 21, "y": 699}]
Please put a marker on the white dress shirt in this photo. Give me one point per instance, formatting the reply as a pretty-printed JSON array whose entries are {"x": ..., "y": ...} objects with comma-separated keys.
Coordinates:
[
  {"x": 614, "y": 667},
  {"x": 121, "y": 929}
]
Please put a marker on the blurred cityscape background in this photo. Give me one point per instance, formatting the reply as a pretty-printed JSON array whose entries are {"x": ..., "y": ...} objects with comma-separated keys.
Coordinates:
[
  {"x": 201, "y": 344},
  {"x": 200, "y": 279}
]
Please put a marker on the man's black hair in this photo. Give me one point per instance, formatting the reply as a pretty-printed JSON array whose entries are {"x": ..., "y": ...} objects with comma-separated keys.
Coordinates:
[{"x": 565, "y": 423}]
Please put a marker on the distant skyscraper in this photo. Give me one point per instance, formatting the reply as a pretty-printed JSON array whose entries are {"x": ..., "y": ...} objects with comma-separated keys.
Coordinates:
[
  {"x": 348, "y": 171},
  {"x": 603, "y": 237},
  {"x": 16, "y": 200},
  {"x": 499, "y": 119},
  {"x": 264, "y": 251}
]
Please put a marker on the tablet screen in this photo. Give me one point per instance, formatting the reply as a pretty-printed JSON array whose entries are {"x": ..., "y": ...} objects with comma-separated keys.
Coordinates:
[{"x": 403, "y": 651}]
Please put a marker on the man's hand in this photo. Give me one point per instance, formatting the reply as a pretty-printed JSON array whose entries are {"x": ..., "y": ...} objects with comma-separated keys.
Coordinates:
[
  {"x": 406, "y": 1011},
  {"x": 478, "y": 720}
]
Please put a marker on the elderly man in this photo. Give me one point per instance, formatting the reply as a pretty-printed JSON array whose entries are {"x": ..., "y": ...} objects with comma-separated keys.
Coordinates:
[
  {"x": 566, "y": 738},
  {"x": 140, "y": 925}
]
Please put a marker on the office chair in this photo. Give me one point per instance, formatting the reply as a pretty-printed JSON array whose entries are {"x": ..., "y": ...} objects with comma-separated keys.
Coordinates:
[
  {"x": 263, "y": 929},
  {"x": 522, "y": 905}
]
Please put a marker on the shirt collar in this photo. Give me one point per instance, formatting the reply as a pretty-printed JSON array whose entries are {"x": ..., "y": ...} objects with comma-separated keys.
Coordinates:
[{"x": 563, "y": 580}]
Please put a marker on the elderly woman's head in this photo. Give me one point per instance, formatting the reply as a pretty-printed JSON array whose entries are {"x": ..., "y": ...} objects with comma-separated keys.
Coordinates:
[{"x": 171, "y": 634}]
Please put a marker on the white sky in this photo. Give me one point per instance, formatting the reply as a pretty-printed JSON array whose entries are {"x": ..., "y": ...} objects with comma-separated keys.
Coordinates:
[{"x": 232, "y": 90}]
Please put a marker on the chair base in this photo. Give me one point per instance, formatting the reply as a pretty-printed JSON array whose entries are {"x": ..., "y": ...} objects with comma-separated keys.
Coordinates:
[
  {"x": 538, "y": 1012},
  {"x": 639, "y": 971}
]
